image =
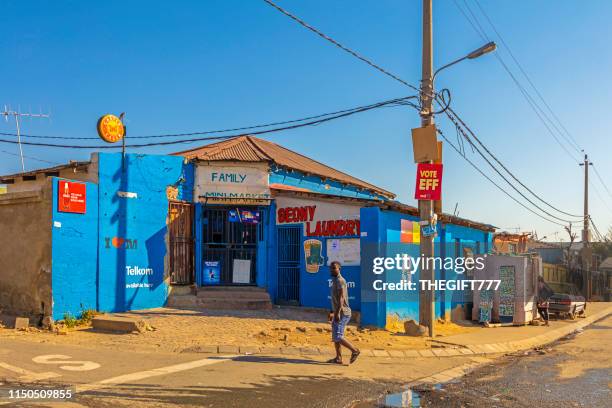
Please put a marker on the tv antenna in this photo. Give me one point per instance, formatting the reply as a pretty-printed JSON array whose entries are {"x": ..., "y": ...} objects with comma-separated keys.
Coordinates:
[{"x": 17, "y": 115}]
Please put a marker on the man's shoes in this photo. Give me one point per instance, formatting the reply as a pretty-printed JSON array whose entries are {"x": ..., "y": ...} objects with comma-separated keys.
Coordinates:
[{"x": 334, "y": 360}]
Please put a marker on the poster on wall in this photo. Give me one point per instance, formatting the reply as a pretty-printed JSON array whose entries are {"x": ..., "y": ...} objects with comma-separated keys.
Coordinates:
[
  {"x": 71, "y": 197},
  {"x": 506, "y": 291},
  {"x": 313, "y": 255},
  {"x": 410, "y": 232},
  {"x": 211, "y": 273},
  {"x": 346, "y": 251},
  {"x": 244, "y": 216},
  {"x": 242, "y": 271}
]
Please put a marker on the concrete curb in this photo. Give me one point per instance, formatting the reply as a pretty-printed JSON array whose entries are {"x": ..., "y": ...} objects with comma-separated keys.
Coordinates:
[{"x": 451, "y": 350}]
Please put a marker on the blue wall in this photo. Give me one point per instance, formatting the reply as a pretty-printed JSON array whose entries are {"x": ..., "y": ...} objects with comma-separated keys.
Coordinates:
[
  {"x": 74, "y": 262},
  {"x": 133, "y": 231},
  {"x": 314, "y": 287},
  {"x": 380, "y": 238}
]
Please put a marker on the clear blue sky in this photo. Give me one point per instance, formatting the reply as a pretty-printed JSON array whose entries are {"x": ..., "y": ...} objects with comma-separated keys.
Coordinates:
[{"x": 201, "y": 65}]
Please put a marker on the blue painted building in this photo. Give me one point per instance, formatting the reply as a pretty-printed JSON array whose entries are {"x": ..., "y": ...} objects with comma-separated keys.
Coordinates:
[
  {"x": 242, "y": 212},
  {"x": 113, "y": 256}
]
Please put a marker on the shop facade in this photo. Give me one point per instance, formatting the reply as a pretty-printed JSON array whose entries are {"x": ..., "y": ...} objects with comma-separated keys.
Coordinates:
[{"x": 243, "y": 212}]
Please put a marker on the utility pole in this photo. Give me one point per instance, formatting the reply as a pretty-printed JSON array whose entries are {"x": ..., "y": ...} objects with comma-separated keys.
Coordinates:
[
  {"x": 427, "y": 296},
  {"x": 586, "y": 233},
  {"x": 16, "y": 114}
]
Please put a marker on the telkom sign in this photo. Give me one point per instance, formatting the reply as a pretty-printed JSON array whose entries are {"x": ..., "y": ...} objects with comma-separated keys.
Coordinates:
[{"x": 428, "y": 182}]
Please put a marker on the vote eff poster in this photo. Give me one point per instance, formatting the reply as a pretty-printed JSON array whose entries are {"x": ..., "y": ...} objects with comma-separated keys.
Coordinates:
[{"x": 428, "y": 181}]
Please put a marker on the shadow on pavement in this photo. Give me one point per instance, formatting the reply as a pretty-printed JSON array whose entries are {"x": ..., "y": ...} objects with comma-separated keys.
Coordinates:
[{"x": 286, "y": 391}]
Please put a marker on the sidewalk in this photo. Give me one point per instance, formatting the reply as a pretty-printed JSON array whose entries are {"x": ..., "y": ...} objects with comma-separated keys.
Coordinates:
[
  {"x": 487, "y": 340},
  {"x": 295, "y": 331},
  {"x": 483, "y": 341}
]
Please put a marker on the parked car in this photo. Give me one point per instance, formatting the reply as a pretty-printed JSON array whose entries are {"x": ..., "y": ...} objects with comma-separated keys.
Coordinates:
[{"x": 566, "y": 299}]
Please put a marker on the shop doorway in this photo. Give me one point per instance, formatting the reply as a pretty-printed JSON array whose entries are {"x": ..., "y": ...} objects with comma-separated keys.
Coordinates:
[
  {"x": 289, "y": 256},
  {"x": 180, "y": 231},
  {"x": 229, "y": 238}
]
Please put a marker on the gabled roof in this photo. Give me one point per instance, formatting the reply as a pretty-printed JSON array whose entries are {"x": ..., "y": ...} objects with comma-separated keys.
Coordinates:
[
  {"x": 253, "y": 149},
  {"x": 606, "y": 264}
]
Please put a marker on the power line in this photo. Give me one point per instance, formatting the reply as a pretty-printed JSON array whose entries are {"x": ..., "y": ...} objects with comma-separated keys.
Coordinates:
[
  {"x": 598, "y": 193},
  {"x": 602, "y": 181},
  {"x": 397, "y": 78},
  {"x": 494, "y": 183},
  {"x": 206, "y": 132},
  {"x": 28, "y": 157},
  {"x": 392, "y": 102},
  {"x": 566, "y": 134},
  {"x": 458, "y": 126},
  {"x": 519, "y": 65},
  {"x": 450, "y": 112},
  {"x": 598, "y": 234},
  {"x": 342, "y": 47},
  {"x": 532, "y": 103}
]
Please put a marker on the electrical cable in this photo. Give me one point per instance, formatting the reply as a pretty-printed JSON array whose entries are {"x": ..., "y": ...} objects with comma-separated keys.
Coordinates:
[
  {"x": 602, "y": 181},
  {"x": 501, "y": 175},
  {"x": 532, "y": 103},
  {"x": 29, "y": 157},
  {"x": 519, "y": 65},
  {"x": 598, "y": 193},
  {"x": 493, "y": 182},
  {"x": 207, "y": 132},
  {"x": 396, "y": 102},
  {"x": 384, "y": 71},
  {"x": 451, "y": 112},
  {"x": 342, "y": 47}
]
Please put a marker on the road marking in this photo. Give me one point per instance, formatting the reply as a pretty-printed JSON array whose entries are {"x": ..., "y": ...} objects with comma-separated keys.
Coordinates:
[
  {"x": 26, "y": 375},
  {"x": 141, "y": 375},
  {"x": 63, "y": 359}
]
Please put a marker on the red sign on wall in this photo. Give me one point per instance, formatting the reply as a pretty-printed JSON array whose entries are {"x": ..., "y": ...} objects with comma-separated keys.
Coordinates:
[
  {"x": 71, "y": 197},
  {"x": 428, "y": 182}
]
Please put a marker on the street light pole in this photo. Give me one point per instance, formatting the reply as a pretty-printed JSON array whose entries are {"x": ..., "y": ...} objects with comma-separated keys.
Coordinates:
[{"x": 426, "y": 296}]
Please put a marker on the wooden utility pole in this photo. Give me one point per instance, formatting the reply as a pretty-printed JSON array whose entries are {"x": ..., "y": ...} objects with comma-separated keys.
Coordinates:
[
  {"x": 586, "y": 234},
  {"x": 426, "y": 296}
]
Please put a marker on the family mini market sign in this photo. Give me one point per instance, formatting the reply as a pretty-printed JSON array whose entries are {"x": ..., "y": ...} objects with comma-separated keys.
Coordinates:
[{"x": 428, "y": 182}]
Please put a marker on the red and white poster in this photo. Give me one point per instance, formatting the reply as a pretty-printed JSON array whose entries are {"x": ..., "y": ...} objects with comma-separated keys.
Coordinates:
[
  {"x": 71, "y": 197},
  {"x": 428, "y": 182}
]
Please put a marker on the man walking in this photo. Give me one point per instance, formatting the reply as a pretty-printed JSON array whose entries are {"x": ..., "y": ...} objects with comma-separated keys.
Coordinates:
[{"x": 340, "y": 315}]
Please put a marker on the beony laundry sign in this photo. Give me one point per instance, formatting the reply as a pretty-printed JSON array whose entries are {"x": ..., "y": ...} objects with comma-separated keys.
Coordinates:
[
  {"x": 233, "y": 184},
  {"x": 320, "y": 218}
]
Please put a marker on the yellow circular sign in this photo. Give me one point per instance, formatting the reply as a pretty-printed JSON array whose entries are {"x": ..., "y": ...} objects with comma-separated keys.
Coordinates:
[{"x": 110, "y": 128}]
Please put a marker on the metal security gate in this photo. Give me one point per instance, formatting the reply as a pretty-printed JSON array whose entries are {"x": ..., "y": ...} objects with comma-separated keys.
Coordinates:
[
  {"x": 289, "y": 251},
  {"x": 180, "y": 230},
  {"x": 228, "y": 242}
]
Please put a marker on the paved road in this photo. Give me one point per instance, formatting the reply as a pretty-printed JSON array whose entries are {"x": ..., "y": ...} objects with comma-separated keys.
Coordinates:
[
  {"x": 106, "y": 378},
  {"x": 574, "y": 372}
]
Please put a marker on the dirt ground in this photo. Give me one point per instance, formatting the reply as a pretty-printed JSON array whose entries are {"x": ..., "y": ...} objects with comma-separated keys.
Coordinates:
[{"x": 177, "y": 330}]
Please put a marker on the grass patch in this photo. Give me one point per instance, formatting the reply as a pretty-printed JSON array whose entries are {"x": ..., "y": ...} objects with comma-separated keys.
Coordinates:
[{"x": 84, "y": 319}]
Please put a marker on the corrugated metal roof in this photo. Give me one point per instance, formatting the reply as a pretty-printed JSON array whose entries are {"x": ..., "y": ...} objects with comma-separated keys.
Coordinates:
[
  {"x": 253, "y": 149},
  {"x": 606, "y": 264},
  {"x": 72, "y": 164}
]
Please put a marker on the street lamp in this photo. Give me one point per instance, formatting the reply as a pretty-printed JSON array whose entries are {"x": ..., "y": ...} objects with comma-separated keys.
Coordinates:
[{"x": 485, "y": 49}]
